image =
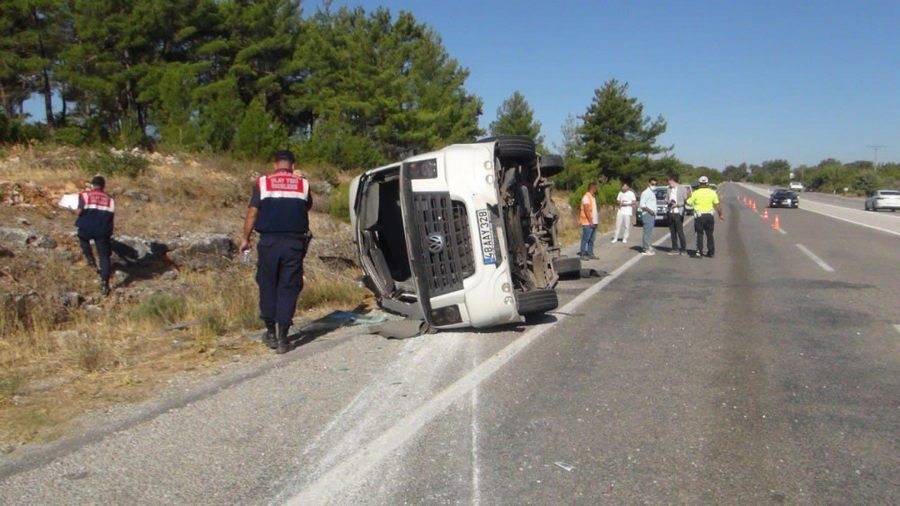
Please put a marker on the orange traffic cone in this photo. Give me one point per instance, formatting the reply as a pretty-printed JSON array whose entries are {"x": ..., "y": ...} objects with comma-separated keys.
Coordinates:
[
  {"x": 753, "y": 205},
  {"x": 765, "y": 215},
  {"x": 776, "y": 225}
]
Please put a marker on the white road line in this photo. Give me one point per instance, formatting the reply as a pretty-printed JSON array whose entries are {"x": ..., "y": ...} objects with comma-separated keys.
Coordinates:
[
  {"x": 358, "y": 464},
  {"x": 812, "y": 256},
  {"x": 781, "y": 230},
  {"x": 897, "y": 327},
  {"x": 476, "y": 465}
]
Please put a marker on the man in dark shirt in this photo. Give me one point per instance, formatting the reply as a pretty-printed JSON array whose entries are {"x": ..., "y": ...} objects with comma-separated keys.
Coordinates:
[
  {"x": 96, "y": 210},
  {"x": 279, "y": 211}
]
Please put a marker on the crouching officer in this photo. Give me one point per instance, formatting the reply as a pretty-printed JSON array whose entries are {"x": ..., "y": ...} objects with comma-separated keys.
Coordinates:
[
  {"x": 96, "y": 210},
  {"x": 705, "y": 201},
  {"x": 279, "y": 211}
]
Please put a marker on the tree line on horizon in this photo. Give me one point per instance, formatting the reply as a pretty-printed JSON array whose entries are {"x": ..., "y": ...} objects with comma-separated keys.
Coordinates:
[{"x": 344, "y": 86}]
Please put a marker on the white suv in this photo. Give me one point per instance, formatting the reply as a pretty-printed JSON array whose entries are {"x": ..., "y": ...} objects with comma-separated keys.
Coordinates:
[
  {"x": 463, "y": 236},
  {"x": 796, "y": 186}
]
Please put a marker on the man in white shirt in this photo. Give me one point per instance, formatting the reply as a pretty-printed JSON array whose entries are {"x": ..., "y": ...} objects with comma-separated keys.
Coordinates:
[
  {"x": 648, "y": 207},
  {"x": 626, "y": 201}
]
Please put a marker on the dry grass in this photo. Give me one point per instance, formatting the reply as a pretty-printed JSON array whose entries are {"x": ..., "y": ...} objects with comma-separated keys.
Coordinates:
[{"x": 60, "y": 362}]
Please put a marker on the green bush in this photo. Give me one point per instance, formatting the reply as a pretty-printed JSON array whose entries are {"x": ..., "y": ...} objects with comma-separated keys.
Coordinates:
[
  {"x": 606, "y": 193},
  {"x": 259, "y": 134},
  {"x": 160, "y": 308},
  {"x": 339, "y": 202},
  {"x": 71, "y": 136},
  {"x": 112, "y": 164},
  {"x": 15, "y": 130},
  {"x": 333, "y": 143}
]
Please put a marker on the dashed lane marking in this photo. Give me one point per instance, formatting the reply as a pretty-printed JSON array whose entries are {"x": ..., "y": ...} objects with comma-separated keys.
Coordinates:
[{"x": 812, "y": 256}]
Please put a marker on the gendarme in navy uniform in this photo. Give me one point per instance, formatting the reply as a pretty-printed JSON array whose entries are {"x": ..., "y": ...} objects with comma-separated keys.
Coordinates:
[
  {"x": 279, "y": 211},
  {"x": 96, "y": 211}
]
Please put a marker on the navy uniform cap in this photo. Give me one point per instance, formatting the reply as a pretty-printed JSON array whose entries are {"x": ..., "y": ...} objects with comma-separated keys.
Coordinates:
[{"x": 285, "y": 155}]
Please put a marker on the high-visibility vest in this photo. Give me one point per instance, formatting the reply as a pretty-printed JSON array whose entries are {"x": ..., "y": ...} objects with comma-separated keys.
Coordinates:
[{"x": 586, "y": 216}]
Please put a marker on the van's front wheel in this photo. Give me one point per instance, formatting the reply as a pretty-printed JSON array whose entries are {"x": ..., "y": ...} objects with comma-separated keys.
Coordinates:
[{"x": 536, "y": 301}]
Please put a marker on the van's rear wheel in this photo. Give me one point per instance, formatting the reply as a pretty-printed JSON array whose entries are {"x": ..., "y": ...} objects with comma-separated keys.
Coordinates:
[
  {"x": 536, "y": 301},
  {"x": 515, "y": 147},
  {"x": 551, "y": 165}
]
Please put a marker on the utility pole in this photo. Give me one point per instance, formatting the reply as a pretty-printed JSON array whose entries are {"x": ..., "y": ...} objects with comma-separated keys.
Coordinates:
[{"x": 875, "y": 148}]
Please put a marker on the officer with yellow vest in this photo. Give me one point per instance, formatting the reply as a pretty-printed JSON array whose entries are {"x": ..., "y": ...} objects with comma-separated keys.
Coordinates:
[
  {"x": 279, "y": 211},
  {"x": 705, "y": 201}
]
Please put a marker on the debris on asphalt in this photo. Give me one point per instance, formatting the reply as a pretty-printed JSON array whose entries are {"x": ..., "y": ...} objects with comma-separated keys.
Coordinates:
[
  {"x": 564, "y": 466},
  {"x": 402, "y": 329}
]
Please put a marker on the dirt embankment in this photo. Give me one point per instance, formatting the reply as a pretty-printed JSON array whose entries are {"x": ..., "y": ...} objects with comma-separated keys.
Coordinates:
[{"x": 182, "y": 301}]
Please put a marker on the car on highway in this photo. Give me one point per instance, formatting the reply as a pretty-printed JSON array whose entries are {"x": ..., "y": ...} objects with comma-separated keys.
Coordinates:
[
  {"x": 662, "y": 216},
  {"x": 465, "y": 236},
  {"x": 883, "y": 199},
  {"x": 784, "y": 198},
  {"x": 796, "y": 186}
]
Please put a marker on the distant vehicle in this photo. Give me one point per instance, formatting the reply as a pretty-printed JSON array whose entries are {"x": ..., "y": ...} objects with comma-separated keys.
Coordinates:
[
  {"x": 883, "y": 199},
  {"x": 662, "y": 208},
  {"x": 784, "y": 198},
  {"x": 796, "y": 186},
  {"x": 465, "y": 236}
]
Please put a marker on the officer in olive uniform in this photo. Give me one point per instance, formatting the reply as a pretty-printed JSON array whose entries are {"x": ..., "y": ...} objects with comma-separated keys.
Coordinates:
[
  {"x": 96, "y": 210},
  {"x": 279, "y": 211}
]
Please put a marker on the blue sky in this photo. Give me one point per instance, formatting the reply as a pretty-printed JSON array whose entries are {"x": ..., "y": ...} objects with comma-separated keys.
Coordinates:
[{"x": 736, "y": 81}]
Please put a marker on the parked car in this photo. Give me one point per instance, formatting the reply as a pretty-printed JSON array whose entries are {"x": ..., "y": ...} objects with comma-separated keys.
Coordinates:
[
  {"x": 662, "y": 216},
  {"x": 784, "y": 198},
  {"x": 462, "y": 236},
  {"x": 796, "y": 186},
  {"x": 883, "y": 199}
]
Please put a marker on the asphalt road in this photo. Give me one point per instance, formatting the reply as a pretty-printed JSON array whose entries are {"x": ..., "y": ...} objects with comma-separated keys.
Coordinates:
[{"x": 768, "y": 374}]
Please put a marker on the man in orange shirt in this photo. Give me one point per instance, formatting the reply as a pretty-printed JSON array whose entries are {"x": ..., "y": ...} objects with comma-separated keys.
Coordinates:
[{"x": 589, "y": 216}]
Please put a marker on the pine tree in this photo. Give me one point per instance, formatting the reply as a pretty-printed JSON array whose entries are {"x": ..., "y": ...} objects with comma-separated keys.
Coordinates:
[
  {"x": 34, "y": 33},
  {"x": 259, "y": 134},
  {"x": 515, "y": 117},
  {"x": 618, "y": 139}
]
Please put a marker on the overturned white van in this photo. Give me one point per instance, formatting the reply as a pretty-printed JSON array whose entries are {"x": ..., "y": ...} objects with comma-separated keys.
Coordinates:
[{"x": 463, "y": 236}]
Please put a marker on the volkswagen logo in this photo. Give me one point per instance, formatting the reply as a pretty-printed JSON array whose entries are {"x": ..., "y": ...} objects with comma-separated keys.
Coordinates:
[{"x": 436, "y": 242}]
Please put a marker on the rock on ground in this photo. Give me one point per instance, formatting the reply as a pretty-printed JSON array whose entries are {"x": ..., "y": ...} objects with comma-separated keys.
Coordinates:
[{"x": 201, "y": 251}]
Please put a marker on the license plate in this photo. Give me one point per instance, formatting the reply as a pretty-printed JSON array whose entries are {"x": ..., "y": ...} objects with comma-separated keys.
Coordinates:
[{"x": 486, "y": 233}]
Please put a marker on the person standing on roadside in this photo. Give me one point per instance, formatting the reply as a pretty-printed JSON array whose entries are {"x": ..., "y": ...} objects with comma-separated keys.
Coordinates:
[
  {"x": 704, "y": 201},
  {"x": 675, "y": 205},
  {"x": 96, "y": 212},
  {"x": 589, "y": 217},
  {"x": 626, "y": 202},
  {"x": 647, "y": 207},
  {"x": 279, "y": 211}
]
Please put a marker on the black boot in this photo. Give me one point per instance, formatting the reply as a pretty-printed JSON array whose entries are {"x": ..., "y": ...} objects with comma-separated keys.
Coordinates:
[
  {"x": 269, "y": 337},
  {"x": 282, "y": 337}
]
